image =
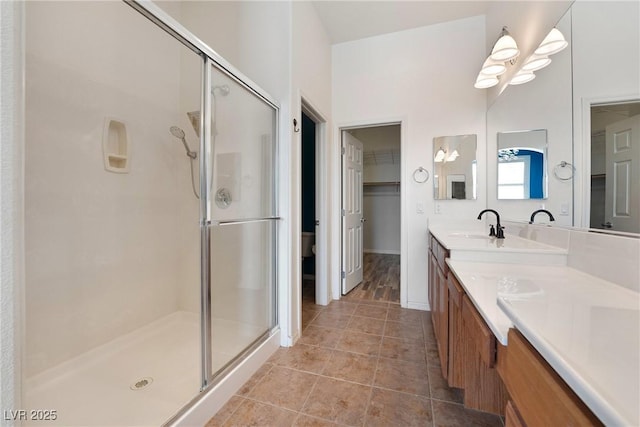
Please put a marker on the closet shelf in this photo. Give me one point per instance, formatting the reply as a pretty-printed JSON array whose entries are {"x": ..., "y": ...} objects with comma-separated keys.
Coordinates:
[{"x": 380, "y": 183}]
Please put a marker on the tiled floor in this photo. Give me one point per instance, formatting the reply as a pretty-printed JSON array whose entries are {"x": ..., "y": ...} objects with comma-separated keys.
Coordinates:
[{"x": 358, "y": 363}]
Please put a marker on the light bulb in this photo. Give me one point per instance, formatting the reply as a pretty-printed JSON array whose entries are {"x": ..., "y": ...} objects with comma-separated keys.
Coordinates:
[{"x": 553, "y": 43}]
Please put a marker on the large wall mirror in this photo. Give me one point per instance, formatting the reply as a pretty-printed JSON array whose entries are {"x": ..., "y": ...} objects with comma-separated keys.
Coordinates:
[
  {"x": 588, "y": 87},
  {"x": 454, "y": 166},
  {"x": 522, "y": 164}
]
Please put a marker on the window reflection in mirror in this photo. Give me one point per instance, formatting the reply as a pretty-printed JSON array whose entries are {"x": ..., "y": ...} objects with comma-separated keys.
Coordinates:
[
  {"x": 454, "y": 166},
  {"x": 522, "y": 165},
  {"x": 615, "y": 167}
]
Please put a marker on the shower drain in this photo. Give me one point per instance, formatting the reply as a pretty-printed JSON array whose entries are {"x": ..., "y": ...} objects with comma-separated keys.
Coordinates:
[{"x": 141, "y": 383}]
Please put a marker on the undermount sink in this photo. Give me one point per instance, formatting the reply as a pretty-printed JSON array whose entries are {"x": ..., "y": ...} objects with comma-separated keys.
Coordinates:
[
  {"x": 515, "y": 288},
  {"x": 469, "y": 236}
]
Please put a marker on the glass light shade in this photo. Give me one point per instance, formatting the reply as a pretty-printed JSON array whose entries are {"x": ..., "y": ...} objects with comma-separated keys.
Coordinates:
[
  {"x": 492, "y": 67},
  {"x": 536, "y": 62},
  {"x": 505, "y": 49},
  {"x": 453, "y": 156},
  {"x": 484, "y": 82},
  {"x": 439, "y": 156},
  {"x": 553, "y": 43},
  {"x": 522, "y": 77}
]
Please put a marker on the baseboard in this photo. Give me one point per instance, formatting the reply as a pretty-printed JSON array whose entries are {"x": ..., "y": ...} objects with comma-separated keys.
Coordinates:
[
  {"x": 214, "y": 399},
  {"x": 381, "y": 251},
  {"x": 418, "y": 306}
]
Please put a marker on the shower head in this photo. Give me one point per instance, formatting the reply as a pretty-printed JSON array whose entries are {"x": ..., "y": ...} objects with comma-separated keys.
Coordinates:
[
  {"x": 179, "y": 133},
  {"x": 194, "y": 116}
]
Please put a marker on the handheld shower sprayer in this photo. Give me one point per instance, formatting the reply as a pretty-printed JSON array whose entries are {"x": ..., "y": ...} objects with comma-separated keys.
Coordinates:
[{"x": 179, "y": 133}]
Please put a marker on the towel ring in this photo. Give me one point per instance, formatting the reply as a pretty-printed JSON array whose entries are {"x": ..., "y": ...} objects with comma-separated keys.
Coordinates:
[
  {"x": 421, "y": 175},
  {"x": 563, "y": 165}
]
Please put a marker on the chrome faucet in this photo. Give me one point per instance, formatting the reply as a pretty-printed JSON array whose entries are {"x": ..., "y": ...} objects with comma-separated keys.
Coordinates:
[
  {"x": 498, "y": 232},
  {"x": 551, "y": 218}
]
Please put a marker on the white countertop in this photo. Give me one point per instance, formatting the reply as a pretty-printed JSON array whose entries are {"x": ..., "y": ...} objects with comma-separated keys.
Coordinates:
[
  {"x": 586, "y": 328},
  {"x": 478, "y": 240},
  {"x": 476, "y": 245}
]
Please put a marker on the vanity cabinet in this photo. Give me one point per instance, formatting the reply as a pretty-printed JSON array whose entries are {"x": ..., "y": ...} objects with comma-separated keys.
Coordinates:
[
  {"x": 439, "y": 300},
  {"x": 483, "y": 387},
  {"x": 466, "y": 345},
  {"x": 456, "y": 333},
  {"x": 539, "y": 396}
]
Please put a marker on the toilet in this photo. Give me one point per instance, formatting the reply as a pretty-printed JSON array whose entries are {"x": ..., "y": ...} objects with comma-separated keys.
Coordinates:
[{"x": 308, "y": 244}]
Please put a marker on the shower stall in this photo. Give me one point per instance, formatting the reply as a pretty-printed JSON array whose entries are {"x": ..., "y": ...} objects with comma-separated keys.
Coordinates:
[{"x": 150, "y": 272}]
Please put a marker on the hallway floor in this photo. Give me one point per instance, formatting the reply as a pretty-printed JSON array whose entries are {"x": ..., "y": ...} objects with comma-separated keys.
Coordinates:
[
  {"x": 358, "y": 363},
  {"x": 380, "y": 279}
]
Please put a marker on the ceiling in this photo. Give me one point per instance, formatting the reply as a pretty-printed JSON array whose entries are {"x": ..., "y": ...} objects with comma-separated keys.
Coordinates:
[{"x": 351, "y": 20}]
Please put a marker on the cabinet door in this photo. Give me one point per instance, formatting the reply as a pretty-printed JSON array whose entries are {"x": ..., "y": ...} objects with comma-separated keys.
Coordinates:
[
  {"x": 542, "y": 397},
  {"x": 483, "y": 388},
  {"x": 433, "y": 292},
  {"x": 443, "y": 322},
  {"x": 456, "y": 359}
]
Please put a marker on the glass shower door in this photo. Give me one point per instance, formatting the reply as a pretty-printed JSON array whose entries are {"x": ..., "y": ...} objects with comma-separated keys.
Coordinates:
[{"x": 242, "y": 219}]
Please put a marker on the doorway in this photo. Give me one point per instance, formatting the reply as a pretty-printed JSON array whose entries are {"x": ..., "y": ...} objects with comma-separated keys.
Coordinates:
[
  {"x": 371, "y": 212},
  {"x": 308, "y": 208},
  {"x": 614, "y": 201}
]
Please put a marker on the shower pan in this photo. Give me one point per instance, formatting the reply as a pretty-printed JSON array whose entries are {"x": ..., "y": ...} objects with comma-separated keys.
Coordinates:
[{"x": 141, "y": 299}]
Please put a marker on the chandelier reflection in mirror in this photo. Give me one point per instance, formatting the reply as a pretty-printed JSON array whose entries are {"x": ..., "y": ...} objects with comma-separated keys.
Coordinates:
[{"x": 508, "y": 154}]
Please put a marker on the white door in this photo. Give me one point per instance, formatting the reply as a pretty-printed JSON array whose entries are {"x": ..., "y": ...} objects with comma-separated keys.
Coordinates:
[
  {"x": 352, "y": 212},
  {"x": 622, "y": 194}
]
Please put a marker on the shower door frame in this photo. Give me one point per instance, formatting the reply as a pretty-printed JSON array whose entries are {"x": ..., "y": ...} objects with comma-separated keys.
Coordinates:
[{"x": 212, "y": 59}]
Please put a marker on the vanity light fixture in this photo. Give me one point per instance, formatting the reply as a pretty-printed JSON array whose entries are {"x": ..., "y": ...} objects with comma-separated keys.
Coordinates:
[
  {"x": 554, "y": 42},
  {"x": 453, "y": 156},
  {"x": 483, "y": 81},
  {"x": 536, "y": 62},
  {"x": 505, "y": 48},
  {"x": 491, "y": 67},
  {"x": 522, "y": 77},
  {"x": 440, "y": 154}
]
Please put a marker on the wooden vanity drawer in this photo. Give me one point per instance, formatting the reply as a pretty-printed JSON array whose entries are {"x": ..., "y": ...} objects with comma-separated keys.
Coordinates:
[
  {"x": 455, "y": 290},
  {"x": 443, "y": 254},
  {"x": 541, "y": 396},
  {"x": 484, "y": 339}
]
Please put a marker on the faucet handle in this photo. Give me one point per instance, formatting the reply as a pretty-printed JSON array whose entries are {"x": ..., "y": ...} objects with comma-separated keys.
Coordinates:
[
  {"x": 492, "y": 230},
  {"x": 500, "y": 232}
]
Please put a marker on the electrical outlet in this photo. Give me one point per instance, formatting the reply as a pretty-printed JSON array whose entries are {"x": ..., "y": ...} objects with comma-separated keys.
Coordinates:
[
  {"x": 564, "y": 209},
  {"x": 438, "y": 208},
  {"x": 420, "y": 207}
]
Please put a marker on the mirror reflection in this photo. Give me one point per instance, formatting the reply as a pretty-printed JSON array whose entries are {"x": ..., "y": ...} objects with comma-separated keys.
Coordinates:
[
  {"x": 454, "y": 166},
  {"x": 615, "y": 175},
  {"x": 522, "y": 164}
]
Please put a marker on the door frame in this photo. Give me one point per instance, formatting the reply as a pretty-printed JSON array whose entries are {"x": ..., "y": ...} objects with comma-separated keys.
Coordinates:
[
  {"x": 337, "y": 186},
  {"x": 582, "y": 152}
]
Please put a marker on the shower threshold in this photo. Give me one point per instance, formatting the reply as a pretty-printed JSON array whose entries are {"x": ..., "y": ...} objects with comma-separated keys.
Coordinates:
[{"x": 140, "y": 379}]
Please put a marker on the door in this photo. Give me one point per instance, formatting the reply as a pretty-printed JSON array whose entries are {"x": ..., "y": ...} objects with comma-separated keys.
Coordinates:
[
  {"x": 622, "y": 199},
  {"x": 352, "y": 219}
]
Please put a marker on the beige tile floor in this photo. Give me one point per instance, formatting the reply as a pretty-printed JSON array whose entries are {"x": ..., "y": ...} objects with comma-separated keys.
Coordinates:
[{"x": 358, "y": 363}]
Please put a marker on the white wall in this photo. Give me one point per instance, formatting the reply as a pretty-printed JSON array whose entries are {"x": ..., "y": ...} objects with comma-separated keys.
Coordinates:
[
  {"x": 544, "y": 103},
  {"x": 606, "y": 65},
  {"x": 101, "y": 253},
  {"x": 311, "y": 82},
  {"x": 425, "y": 77}
]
